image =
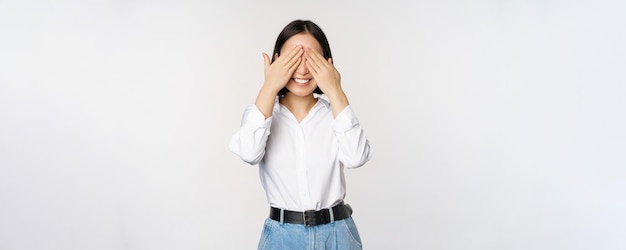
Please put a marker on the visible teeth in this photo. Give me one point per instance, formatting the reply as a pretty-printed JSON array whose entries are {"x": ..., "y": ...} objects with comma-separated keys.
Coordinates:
[{"x": 301, "y": 80}]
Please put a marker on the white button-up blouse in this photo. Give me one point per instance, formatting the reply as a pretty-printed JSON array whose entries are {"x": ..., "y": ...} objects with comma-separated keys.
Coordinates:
[{"x": 301, "y": 164}]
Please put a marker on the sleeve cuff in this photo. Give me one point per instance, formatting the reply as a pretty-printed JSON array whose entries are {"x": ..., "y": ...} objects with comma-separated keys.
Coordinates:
[
  {"x": 252, "y": 116},
  {"x": 346, "y": 120}
]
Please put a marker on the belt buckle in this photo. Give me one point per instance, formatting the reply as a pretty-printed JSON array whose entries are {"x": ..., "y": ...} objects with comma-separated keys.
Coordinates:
[{"x": 308, "y": 217}]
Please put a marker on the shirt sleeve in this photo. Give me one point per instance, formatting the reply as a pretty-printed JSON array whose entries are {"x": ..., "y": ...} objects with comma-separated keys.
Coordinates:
[
  {"x": 354, "y": 148},
  {"x": 250, "y": 140}
]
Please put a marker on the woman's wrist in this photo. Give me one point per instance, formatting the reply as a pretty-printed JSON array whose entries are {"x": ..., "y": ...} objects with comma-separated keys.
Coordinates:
[
  {"x": 265, "y": 100},
  {"x": 338, "y": 101},
  {"x": 271, "y": 88},
  {"x": 335, "y": 93}
]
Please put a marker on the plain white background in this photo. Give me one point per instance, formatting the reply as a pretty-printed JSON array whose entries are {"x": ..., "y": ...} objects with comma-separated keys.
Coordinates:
[{"x": 495, "y": 124}]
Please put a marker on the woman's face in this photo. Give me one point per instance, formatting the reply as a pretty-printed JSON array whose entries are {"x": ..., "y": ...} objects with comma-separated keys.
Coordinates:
[{"x": 301, "y": 82}]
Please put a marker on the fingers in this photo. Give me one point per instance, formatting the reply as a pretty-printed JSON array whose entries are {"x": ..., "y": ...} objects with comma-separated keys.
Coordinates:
[
  {"x": 315, "y": 61},
  {"x": 315, "y": 56},
  {"x": 297, "y": 58},
  {"x": 312, "y": 66},
  {"x": 295, "y": 65},
  {"x": 266, "y": 60},
  {"x": 294, "y": 56},
  {"x": 279, "y": 70},
  {"x": 292, "y": 53}
]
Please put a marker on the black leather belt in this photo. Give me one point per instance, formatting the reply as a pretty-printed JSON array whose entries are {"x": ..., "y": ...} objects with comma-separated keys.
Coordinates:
[{"x": 312, "y": 217}]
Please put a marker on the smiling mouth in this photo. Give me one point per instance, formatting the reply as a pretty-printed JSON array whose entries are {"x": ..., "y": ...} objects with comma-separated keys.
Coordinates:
[{"x": 301, "y": 80}]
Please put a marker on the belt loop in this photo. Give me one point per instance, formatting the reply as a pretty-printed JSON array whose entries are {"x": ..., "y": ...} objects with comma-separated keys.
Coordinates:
[
  {"x": 332, "y": 215},
  {"x": 282, "y": 216}
]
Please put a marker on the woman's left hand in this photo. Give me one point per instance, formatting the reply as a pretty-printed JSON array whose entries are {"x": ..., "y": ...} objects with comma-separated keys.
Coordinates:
[
  {"x": 324, "y": 72},
  {"x": 327, "y": 78}
]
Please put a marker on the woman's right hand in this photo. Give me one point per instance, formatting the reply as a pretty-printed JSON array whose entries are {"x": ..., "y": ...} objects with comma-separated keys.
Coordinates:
[{"x": 278, "y": 73}]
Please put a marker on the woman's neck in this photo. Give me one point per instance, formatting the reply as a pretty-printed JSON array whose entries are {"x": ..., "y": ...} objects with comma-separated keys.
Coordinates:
[{"x": 298, "y": 105}]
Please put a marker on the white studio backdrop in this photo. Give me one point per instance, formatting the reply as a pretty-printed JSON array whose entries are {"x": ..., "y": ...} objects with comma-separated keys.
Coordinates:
[{"x": 495, "y": 124}]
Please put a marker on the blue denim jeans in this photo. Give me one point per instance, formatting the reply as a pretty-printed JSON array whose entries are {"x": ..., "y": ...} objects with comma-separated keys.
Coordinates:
[{"x": 337, "y": 235}]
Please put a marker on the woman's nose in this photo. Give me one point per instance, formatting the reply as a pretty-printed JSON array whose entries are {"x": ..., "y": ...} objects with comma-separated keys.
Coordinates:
[{"x": 302, "y": 69}]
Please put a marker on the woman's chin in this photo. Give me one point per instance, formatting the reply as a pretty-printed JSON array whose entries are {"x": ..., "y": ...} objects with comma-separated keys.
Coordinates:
[{"x": 300, "y": 91}]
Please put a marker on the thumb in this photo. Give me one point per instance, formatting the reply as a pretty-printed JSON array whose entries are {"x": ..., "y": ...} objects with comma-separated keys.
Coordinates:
[{"x": 266, "y": 59}]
